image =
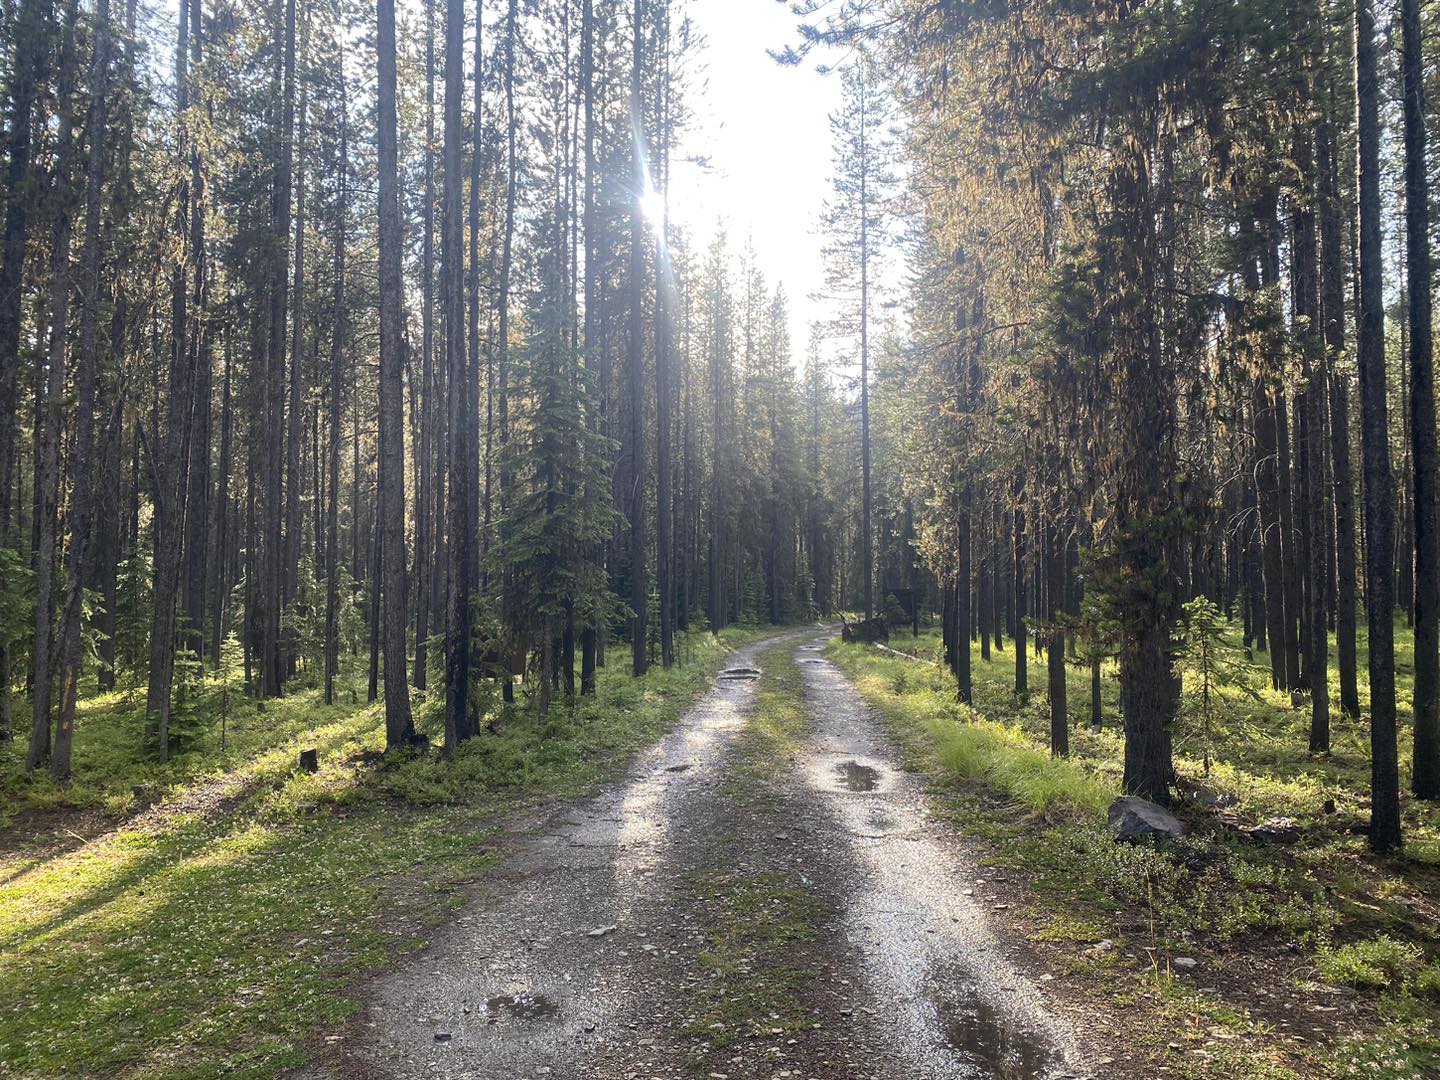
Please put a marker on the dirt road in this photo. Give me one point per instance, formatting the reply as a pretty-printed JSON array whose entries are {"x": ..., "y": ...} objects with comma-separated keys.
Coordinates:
[{"x": 711, "y": 918}]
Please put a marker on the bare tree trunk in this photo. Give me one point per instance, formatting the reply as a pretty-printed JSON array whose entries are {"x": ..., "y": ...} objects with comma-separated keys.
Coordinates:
[
  {"x": 272, "y": 584},
  {"x": 170, "y": 485},
  {"x": 425, "y": 457},
  {"x": 1306, "y": 298},
  {"x": 1332, "y": 300},
  {"x": 867, "y": 498},
  {"x": 28, "y": 73},
  {"x": 295, "y": 428},
  {"x": 399, "y": 728},
  {"x": 663, "y": 523},
  {"x": 48, "y": 437},
  {"x": 197, "y": 502},
  {"x": 589, "y": 637},
  {"x": 82, "y": 457},
  {"x": 1374, "y": 445},
  {"x": 337, "y": 351},
  {"x": 506, "y": 261},
  {"x": 635, "y": 368},
  {"x": 1426, "y": 458},
  {"x": 461, "y": 457}
]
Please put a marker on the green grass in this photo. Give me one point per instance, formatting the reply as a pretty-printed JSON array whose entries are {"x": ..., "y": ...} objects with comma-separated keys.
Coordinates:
[
  {"x": 213, "y": 940},
  {"x": 1353, "y": 915},
  {"x": 764, "y": 918},
  {"x": 777, "y": 726},
  {"x": 754, "y": 981}
]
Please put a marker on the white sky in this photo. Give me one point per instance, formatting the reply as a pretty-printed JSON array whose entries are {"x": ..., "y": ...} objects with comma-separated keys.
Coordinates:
[{"x": 765, "y": 130}]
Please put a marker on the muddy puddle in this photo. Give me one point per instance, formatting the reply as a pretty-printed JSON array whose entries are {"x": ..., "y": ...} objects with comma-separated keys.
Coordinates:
[
  {"x": 857, "y": 777},
  {"x": 740, "y": 673},
  {"x": 980, "y": 1035},
  {"x": 521, "y": 1007}
]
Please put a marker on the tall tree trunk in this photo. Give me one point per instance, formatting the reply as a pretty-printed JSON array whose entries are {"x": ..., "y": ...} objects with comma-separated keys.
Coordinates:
[
  {"x": 461, "y": 457},
  {"x": 82, "y": 457},
  {"x": 635, "y": 362},
  {"x": 1426, "y": 459},
  {"x": 867, "y": 539},
  {"x": 429, "y": 399},
  {"x": 663, "y": 523},
  {"x": 399, "y": 728},
  {"x": 337, "y": 351},
  {"x": 1332, "y": 301},
  {"x": 1306, "y": 298},
  {"x": 506, "y": 264},
  {"x": 27, "y": 76},
  {"x": 589, "y": 636},
  {"x": 1149, "y": 689},
  {"x": 273, "y": 584},
  {"x": 48, "y": 438},
  {"x": 295, "y": 428},
  {"x": 197, "y": 501},
  {"x": 170, "y": 488},
  {"x": 1374, "y": 446}
]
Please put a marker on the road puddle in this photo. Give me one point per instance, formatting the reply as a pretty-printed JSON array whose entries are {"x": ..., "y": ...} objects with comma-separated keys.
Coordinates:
[
  {"x": 976, "y": 1030},
  {"x": 857, "y": 777},
  {"x": 740, "y": 673},
  {"x": 521, "y": 1007}
]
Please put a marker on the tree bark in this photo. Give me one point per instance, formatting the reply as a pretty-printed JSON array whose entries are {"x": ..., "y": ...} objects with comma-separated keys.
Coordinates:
[
  {"x": 635, "y": 366},
  {"x": 48, "y": 438},
  {"x": 337, "y": 351},
  {"x": 1306, "y": 299},
  {"x": 1425, "y": 458},
  {"x": 460, "y": 538},
  {"x": 399, "y": 728},
  {"x": 1374, "y": 446},
  {"x": 170, "y": 489},
  {"x": 1332, "y": 300},
  {"x": 82, "y": 457}
]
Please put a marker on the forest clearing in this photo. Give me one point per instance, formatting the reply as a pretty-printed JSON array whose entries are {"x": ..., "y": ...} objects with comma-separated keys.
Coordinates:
[{"x": 724, "y": 539}]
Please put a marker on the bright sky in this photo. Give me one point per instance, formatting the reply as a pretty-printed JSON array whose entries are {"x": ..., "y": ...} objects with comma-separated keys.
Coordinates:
[{"x": 765, "y": 130}]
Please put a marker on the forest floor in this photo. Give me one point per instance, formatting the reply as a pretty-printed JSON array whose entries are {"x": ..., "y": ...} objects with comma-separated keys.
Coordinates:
[{"x": 825, "y": 867}]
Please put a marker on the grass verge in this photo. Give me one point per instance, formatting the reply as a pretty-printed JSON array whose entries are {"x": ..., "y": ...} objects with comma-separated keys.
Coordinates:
[{"x": 1349, "y": 942}]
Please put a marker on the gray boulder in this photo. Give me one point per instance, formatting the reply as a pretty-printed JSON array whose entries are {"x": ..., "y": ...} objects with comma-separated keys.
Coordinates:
[{"x": 1133, "y": 818}]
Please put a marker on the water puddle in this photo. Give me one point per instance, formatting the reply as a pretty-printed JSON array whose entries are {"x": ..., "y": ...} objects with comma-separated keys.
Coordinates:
[
  {"x": 735, "y": 673},
  {"x": 976, "y": 1030},
  {"x": 811, "y": 660},
  {"x": 521, "y": 1007},
  {"x": 857, "y": 777}
]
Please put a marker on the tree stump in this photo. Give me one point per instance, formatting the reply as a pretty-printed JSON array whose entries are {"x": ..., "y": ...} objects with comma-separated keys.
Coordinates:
[{"x": 309, "y": 761}]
